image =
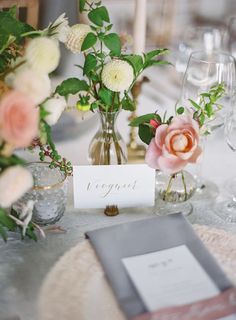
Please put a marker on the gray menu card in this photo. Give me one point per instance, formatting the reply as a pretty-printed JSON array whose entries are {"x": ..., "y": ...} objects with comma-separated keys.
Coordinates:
[{"x": 112, "y": 244}]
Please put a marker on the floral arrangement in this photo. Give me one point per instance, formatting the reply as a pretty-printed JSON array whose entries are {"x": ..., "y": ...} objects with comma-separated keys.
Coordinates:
[
  {"x": 173, "y": 142},
  {"x": 27, "y": 110},
  {"x": 109, "y": 73},
  {"x": 108, "y": 76}
]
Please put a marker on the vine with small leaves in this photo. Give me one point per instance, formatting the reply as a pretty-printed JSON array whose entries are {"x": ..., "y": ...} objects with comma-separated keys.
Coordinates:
[
  {"x": 202, "y": 111},
  {"x": 208, "y": 105}
]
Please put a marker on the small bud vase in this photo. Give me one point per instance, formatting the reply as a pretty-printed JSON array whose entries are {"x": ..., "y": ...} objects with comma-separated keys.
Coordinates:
[
  {"x": 107, "y": 146},
  {"x": 173, "y": 192}
]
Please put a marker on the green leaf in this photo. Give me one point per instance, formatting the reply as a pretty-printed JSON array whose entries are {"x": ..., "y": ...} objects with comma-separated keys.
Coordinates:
[
  {"x": 205, "y": 94},
  {"x": 156, "y": 63},
  {"x": 128, "y": 104},
  {"x": 94, "y": 106},
  {"x": 89, "y": 64},
  {"x": 108, "y": 28},
  {"x": 104, "y": 14},
  {"x": 209, "y": 110},
  {"x": 89, "y": 41},
  {"x": 30, "y": 233},
  {"x": 145, "y": 118},
  {"x": 136, "y": 61},
  {"x": 145, "y": 133},
  {"x": 43, "y": 113},
  {"x": 81, "y": 5},
  {"x": 9, "y": 25},
  {"x": 194, "y": 104},
  {"x": 10, "y": 161},
  {"x": 98, "y": 16},
  {"x": 201, "y": 119},
  {"x": 3, "y": 233},
  {"x": 112, "y": 42},
  {"x": 71, "y": 86},
  {"x": 5, "y": 41},
  {"x": 106, "y": 96},
  {"x": 6, "y": 221},
  {"x": 155, "y": 53},
  {"x": 180, "y": 110}
]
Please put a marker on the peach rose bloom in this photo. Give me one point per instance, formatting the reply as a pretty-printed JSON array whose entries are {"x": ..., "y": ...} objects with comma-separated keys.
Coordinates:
[
  {"x": 174, "y": 145},
  {"x": 19, "y": 119}
]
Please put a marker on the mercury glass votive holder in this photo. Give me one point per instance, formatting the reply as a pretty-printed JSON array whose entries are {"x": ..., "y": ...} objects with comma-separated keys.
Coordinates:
[{"x": 49, "y": 193}]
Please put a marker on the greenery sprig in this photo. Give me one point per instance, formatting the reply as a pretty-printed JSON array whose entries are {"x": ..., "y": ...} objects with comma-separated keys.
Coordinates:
[
  {"x": 208, "y": 105},
  {"x": 203, "y": 111}
]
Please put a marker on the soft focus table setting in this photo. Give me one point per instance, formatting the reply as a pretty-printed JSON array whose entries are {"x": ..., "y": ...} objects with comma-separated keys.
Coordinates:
[
  {"x": 22, "y": 273},
  {"x": 113, "y": 261}
]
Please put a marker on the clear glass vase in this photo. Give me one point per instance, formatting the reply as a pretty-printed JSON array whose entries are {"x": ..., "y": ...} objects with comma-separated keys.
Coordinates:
[
  {"x": 107, "y": 146},
  {"x": 173, "y": 192}
]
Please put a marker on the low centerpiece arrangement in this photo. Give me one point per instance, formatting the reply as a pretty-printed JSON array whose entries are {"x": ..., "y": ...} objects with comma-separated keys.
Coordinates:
[
  {"x": 27, "y": 111},
  {"x": 173, "y": 142},
  {"x": 108, "y": 76}
]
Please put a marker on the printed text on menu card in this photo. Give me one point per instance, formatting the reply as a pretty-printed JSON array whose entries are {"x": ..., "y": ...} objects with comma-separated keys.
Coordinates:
[{"x": 169, "y": 277}]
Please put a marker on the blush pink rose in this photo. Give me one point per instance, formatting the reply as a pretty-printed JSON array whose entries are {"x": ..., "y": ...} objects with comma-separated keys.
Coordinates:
[
  {"x": 174, "y": 145},
  {"x": 19, "y": 119}
]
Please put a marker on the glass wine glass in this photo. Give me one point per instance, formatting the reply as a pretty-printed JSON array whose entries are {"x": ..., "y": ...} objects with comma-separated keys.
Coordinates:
[
  {"x": 204, "y": 38},
  {"x": 204, "y": 70},
  {"x": 227, "y": 209},
  {"x": 231, "y": 36}
]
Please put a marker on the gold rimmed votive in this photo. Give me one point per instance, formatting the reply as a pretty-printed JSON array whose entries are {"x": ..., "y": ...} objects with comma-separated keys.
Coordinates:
[{"x": 49, "y": 193}]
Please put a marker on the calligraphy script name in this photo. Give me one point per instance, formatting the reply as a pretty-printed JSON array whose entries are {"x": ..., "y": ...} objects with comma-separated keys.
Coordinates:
[{"x": 106, "y": 189}]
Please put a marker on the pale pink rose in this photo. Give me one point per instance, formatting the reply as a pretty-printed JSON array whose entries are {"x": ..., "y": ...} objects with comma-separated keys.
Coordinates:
[
  {"x": 19, "y": 119},
  {"x": 174, "y": 145}
]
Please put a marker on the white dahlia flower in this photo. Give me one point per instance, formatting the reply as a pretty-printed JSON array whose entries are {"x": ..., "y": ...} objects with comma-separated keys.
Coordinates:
[
  {"x": 59, "y": 29},
  {"x": 14, "y": 182},
  {"x": 35, "y": 85},
  {"x": 76, "y": 36},
  {"x": 55, "y": 107},
  {"x": 43, "y": 54},
  {"x": 117, "y": 75}
]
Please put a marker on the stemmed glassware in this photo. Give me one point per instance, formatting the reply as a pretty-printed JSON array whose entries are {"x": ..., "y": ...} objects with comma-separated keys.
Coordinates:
[
  {"x": 204, "y": 70},
  {"x": 204, "y": 38},
  {"x": 231, "y": 37},
  {"x": 227, "y": 209}
]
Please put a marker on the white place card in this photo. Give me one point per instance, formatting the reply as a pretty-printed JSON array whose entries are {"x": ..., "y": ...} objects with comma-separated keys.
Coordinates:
[
  {"x": 169, "y": 277},
  {"x": 121, "y": 185}
]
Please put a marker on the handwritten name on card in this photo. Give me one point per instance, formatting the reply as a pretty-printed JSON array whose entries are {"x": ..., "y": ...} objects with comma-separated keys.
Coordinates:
[{"x": 123, "y": 185}]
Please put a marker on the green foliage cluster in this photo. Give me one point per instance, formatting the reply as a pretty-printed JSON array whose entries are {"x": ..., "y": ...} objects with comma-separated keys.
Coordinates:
[
  {"x": 100, "y": 46},
  {"x": 203, "y": 111},
  {"x": 13, "y": 35}
]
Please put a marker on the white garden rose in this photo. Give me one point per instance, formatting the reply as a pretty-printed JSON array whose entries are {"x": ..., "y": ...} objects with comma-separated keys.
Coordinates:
[
  {"x": 35, "y": 85},
  {"x": 55, "y": 107},
  {"x": 14, "y": 182},
  {"x": 43, "y": 54},
  {"x": 117, "y": 75},
  {"x": 60, "y": 28},
  {"x": 76, "y": 36}
]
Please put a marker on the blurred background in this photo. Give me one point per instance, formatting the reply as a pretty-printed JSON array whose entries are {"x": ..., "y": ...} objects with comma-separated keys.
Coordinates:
[
  {"x": 182, "y": 26},
  {"x": 170, "y": 23}
]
